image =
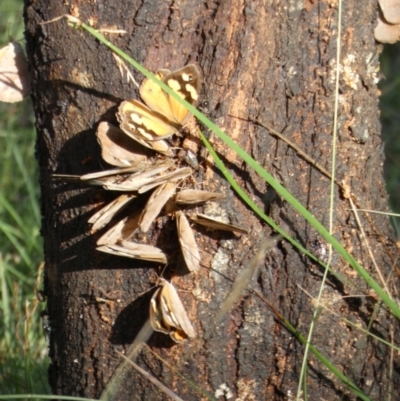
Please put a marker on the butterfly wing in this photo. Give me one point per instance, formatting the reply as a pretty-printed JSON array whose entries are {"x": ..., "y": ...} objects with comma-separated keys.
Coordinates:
[
  {"x": 144, "y": 126},
  {"x": 185, "y": 82},
  {"x": 163, "y": 115},
  {"x": 154, "y": 96},
  {"x": 137, "y": 120}
]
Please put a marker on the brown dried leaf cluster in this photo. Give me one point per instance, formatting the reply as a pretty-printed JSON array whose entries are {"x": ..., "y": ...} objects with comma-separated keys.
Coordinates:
[{"x": 150, "y": 125}]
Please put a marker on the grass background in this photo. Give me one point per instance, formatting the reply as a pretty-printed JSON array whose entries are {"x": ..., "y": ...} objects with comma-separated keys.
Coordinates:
[
  {"x": 23, "y": 344},
  {"x": 390, "y": 119}
]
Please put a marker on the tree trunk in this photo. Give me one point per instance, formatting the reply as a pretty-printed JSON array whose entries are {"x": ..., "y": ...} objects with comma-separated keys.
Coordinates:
[{"x": 274, "y": 62}]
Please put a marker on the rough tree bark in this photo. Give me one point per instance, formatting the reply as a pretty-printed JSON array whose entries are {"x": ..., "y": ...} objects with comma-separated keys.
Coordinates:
[{"x": 274, "y": 61}]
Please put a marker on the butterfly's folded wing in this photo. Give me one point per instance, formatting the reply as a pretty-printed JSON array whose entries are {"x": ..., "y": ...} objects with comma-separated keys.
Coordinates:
[
  {"x": 145, "y": 126},
  {"x": 156, "y": 98},
  {"x": 138, "y": 120}
]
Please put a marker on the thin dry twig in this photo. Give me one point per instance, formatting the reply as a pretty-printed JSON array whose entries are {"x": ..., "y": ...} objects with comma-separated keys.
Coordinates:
[
  {"x": 113, "y": 385},
  {"x": 244, "y": 278},
  {"x": 123, "y": 67},
  {"x": 371, "y": 254},
  {"x": 151, "y": 378}
]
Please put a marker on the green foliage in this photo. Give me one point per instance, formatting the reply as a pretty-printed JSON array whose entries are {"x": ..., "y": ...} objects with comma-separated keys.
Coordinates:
[
  {"x": 390, "y": 118},
  {"x": 23, "y": 347}
]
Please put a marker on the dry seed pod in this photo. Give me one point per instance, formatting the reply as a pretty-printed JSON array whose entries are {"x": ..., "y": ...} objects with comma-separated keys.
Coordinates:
[
  {"x": 144, "y": 180},
  {"x": 100, "y": 177},
  {"x": 121, "y": 231},
  {"x": 194, "y": 196},
  {"x": 105, "y": 214},
  {"x": 135, "y": 251},
  {"x": 188, "y": 242},
  {"x": 123, "y": 174},
  {"x": 124, "y": 179},
  {"x": 211, "y": 222},
  {"x": 168, "y": 315},
  {"x": 135, "y": 181},
  {"x": 173, "y": 176},
  {"x": 154, "y": 205},
  {"x": 117, "y": 148},
  {"x": 15, "y": 80}
]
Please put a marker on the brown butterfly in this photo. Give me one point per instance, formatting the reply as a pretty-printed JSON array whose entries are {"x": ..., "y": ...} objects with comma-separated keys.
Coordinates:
[{"x": 161, "y": 116}]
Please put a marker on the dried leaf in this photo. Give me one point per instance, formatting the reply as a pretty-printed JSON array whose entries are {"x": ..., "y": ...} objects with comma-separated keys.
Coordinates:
[
  {"x": 155, "y": 203},
  {"x": 168, "y": 315},
  {"x": 187, "y": 241},
  {"x": 100, "y": 177},
  {"x": 211, "y": 222},
  {"x": 122, "y": 231},
  {"x": 391, "y": 10},
  {"x": 117, "y": 148},
  {"x": 105, "y": 214},
  {"x": 134, "y": 250},
  {"x": 15, "y": 81},
  {"x": 194, "y": 196},
  {"x": 173, "y": 176}
]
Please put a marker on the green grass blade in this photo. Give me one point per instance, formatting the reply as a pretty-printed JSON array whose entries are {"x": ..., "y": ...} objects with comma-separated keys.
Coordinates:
[{"x": 30, "y": 185}]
